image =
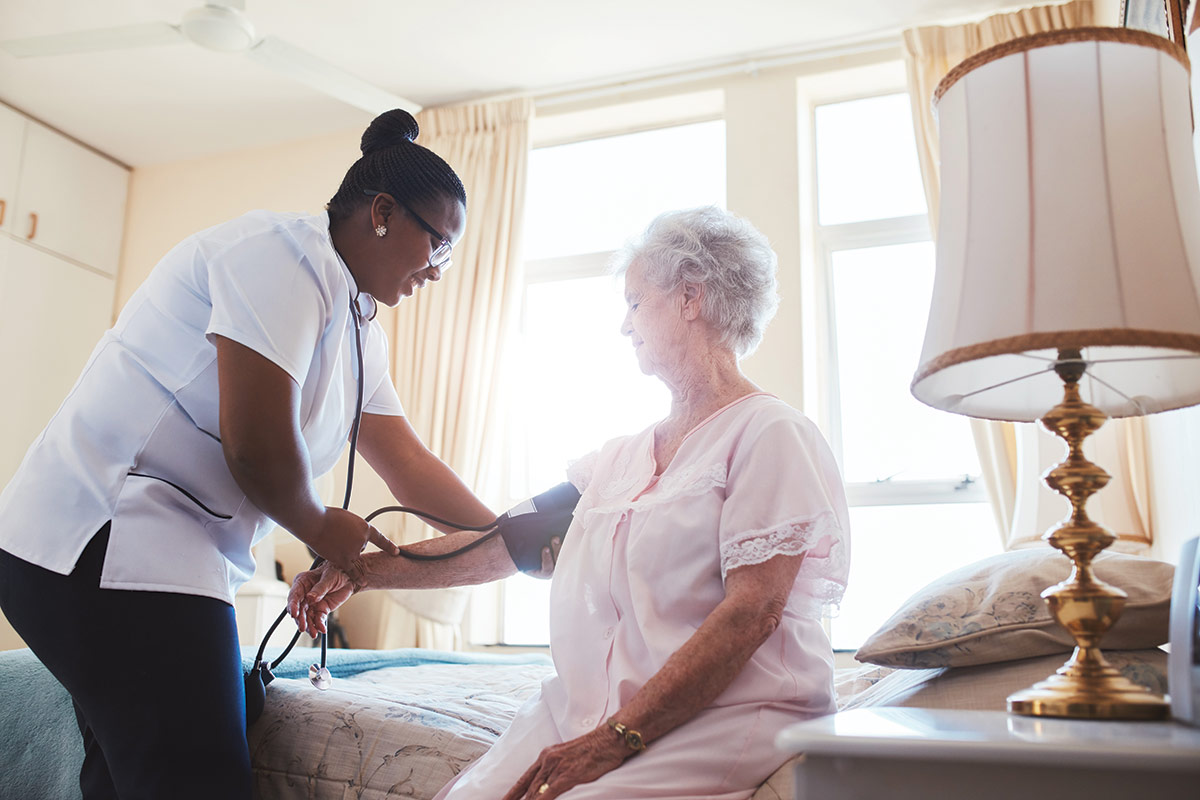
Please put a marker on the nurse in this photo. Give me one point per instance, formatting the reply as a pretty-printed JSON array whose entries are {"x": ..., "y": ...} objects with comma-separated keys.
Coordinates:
[{"x": 230, "y": 380}]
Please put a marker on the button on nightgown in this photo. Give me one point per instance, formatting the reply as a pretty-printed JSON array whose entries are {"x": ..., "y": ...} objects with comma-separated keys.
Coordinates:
[{"x": 642, "y": 566}]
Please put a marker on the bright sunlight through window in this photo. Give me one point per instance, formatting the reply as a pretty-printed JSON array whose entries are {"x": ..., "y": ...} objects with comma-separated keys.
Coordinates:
[{"x": 577, "y": 380}]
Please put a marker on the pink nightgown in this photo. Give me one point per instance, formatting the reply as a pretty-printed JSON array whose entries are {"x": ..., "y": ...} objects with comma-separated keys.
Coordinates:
[{"x": 644, "y": 564}]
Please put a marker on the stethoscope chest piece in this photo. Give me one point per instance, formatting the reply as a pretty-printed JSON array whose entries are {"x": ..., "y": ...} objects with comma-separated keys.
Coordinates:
[{"x": 319, "y": 677}]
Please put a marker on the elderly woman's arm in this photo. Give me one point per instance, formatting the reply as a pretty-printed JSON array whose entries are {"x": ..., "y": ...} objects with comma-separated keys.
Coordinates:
[
  {"x": 691, "y": 679},
  {"x": 317, "y": 592}
]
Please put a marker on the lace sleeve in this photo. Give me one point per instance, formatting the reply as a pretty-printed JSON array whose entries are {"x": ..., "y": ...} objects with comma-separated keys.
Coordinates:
[{"x": 819, "y": 538}]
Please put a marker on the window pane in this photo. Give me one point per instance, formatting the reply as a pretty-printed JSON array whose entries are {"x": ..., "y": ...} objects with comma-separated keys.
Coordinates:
[
  {"x": 579, "y": 384},
  {"x": 867, "y": 161},
  {"x": 881, "y": 305},
  {"x": 899, "y": 549},
  {"x": 526, "y": 611},
  {"x": 592, "y": 196}
]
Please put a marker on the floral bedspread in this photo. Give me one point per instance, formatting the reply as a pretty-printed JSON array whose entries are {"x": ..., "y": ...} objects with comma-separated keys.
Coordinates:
[{"x": 394, "y": 732}]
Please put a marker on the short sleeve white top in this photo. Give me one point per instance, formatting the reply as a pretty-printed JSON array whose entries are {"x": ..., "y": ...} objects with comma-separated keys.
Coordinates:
[{"x": 137, "y": 440}]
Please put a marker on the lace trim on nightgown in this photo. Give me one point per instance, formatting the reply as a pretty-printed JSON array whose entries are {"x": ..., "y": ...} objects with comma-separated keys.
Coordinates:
[
  {"x": 822, "y": 575},
  {"x": 625, "y": 481},
  {"x": 673, "y": 486}
]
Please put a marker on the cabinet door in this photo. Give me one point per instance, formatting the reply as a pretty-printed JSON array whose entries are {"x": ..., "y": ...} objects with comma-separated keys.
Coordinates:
[
  {"x": 12, "y": 141},
  {"x": 71, "y": 200},
  {"x": 52, "y": 314}
]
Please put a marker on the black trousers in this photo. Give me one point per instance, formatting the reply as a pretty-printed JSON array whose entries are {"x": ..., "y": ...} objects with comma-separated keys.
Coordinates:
[{"x": 156, "y": 679}]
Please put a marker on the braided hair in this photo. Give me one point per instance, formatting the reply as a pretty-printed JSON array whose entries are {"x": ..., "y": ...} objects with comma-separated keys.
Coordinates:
[{"x": 393, "y": 162}]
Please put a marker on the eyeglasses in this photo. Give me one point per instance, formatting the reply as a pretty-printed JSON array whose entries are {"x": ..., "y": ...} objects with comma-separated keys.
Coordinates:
[{"x": 441, "y": 254}]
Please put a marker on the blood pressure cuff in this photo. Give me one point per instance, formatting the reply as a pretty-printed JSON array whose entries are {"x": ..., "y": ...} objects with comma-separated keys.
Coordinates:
[{"x": 529, "y": 526}]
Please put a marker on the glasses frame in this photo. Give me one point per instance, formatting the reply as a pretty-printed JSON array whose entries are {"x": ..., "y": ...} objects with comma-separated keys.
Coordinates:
[{"x": 445, "y": 246}]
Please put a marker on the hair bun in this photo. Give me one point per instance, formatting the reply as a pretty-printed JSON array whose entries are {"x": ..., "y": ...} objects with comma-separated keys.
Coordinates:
[{"x": 389, "y": 129}]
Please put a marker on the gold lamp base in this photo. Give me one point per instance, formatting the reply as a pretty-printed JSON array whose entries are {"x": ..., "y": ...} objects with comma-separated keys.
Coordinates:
[
  {"x": 1087, "y": 686},
  {"x": 1086, "y": 693}
]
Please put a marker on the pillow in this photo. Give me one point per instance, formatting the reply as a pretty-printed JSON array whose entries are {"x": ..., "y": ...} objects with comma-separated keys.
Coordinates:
[{"x": 992, "y": 611}]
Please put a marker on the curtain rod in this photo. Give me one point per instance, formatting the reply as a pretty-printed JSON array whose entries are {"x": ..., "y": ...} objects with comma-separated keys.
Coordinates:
[{"x": 579, "y": 91}]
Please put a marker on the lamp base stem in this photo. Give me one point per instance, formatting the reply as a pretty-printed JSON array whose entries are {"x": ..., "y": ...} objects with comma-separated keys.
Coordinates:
[{"x": 1087, "y": 686}]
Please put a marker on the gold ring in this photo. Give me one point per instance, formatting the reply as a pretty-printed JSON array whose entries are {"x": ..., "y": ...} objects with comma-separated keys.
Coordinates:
[{"x": 545, "y": 787}]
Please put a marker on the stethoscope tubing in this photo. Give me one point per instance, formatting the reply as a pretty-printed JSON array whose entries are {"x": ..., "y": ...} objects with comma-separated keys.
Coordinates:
[{"x": 354, "y": 428}]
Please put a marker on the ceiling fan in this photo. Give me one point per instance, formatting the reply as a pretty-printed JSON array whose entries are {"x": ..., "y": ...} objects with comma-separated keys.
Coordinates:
[{"x": 221, "y": 26}]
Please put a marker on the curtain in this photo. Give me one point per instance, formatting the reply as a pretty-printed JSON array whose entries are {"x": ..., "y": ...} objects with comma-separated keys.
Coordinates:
[
  {"x": 1009, "y": 470},
  {"x": 447, "y": 346}
]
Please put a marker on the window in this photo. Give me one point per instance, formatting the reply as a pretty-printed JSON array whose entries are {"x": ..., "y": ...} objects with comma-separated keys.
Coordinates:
[
  {"x": 912, "y": 475},
  {"x": 576, "y": 382}
]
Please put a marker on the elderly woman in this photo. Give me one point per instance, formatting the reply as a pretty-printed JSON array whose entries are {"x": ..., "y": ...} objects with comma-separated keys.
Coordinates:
[{"x": 684, "y": 621}]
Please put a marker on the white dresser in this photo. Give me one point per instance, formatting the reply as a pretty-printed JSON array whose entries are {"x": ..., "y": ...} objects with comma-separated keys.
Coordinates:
[{"x": 911, "y": 753}]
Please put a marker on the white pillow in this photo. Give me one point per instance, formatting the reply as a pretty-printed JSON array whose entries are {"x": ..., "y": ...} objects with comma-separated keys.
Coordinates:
[{"x": 992, "y": 611}]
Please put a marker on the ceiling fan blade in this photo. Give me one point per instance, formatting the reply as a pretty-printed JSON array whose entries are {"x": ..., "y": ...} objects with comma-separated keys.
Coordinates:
[
  {"x": 302, "y": 66},
  {"x": 125, "y": 36}
]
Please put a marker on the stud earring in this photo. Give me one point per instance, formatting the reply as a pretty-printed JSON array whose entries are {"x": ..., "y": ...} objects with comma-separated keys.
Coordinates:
[{"x": 381, "y": 230}]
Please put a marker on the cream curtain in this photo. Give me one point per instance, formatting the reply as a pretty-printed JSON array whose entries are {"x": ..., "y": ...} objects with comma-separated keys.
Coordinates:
[
  {"x": 447, "y": 347},
  {"x": 1009, "y": 458}
]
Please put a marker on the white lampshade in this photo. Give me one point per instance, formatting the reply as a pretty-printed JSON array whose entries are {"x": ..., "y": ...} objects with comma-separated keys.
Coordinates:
[{"x": 1070, "y": 218}]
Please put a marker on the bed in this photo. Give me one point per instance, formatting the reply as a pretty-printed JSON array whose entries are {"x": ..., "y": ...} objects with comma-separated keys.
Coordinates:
[{"x": 400, "y": 723}]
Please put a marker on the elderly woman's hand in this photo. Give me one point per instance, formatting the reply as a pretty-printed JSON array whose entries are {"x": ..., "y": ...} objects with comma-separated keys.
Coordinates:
[
  {"x": 316, "y": 593},
  {"x": 562, "y": 767}
]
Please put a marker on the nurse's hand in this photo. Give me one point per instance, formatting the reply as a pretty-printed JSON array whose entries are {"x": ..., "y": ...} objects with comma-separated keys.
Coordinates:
[
  {"x": 549, "y": 559},
  {"x": 562, "y": 767},
  {"x": 342, "y": 535},
  {"x": 316, "y": 593}
]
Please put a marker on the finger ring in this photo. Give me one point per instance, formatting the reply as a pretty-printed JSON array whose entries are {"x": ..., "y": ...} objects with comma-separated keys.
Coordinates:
[{"x": 545, "y": 787}]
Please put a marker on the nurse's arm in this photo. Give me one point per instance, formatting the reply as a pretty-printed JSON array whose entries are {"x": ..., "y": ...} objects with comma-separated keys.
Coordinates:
[
  {"x": 414, "y": 475},
  {"x": 260, "y": 437},
  {"x": 690, "y": 680},
  {"x": 419, "y": 479}
]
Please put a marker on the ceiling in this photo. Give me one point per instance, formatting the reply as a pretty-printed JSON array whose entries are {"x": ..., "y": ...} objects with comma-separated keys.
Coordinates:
[{"x": 178, "y": 101}]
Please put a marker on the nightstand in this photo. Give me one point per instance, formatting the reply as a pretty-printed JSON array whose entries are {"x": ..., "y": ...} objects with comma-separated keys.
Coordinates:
[{"x": 900, "y": 753}]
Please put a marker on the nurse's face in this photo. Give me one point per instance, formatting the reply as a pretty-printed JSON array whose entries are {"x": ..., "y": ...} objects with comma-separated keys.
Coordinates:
[{"x": 416, "y": 248}]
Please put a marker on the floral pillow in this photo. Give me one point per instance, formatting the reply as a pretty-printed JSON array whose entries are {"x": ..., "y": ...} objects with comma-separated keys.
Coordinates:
[{"x": 992, "y": 611}]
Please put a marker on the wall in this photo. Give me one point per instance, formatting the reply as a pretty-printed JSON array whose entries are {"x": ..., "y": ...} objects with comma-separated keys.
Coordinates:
[
  {"x": 1174, "y": 454},
  {"x": 171, "y": 201}
]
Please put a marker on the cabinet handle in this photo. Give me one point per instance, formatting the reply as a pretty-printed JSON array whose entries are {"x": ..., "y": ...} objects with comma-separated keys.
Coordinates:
[
  {"x": 32, "y": 225},
  {"x": 3, "y": 206}
]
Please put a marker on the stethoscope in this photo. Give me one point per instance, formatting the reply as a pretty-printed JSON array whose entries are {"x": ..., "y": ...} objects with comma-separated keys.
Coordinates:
[{"x": 318, "y": 674}]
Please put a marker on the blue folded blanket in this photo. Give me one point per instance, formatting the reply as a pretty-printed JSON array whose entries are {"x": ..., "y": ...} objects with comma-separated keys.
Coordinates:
[{"x": 41, "y": 749}]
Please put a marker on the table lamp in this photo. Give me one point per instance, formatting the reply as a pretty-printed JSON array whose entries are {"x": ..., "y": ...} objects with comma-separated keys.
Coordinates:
[{"x": 1068, "y": 263}]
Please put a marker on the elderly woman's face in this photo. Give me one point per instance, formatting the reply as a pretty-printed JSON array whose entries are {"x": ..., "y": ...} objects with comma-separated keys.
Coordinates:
[{"x": 652, "y": 322}]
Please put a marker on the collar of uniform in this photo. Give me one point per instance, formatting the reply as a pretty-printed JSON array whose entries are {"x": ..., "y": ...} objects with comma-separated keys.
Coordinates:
[{"x": 365, "y": 302}]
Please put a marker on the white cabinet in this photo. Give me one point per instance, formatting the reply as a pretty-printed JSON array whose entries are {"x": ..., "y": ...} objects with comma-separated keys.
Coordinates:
[
  {"x": 58, "y": 195},
  {"x": 52, "y": 314},
  {"x": 60, "y": 239},
  {"x": 12, "y": 140},
  {"x": 70, "y": 200}
]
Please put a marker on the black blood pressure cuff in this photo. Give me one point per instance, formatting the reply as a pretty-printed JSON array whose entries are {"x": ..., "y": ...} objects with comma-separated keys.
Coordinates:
[{"x": 528, "y": 527}]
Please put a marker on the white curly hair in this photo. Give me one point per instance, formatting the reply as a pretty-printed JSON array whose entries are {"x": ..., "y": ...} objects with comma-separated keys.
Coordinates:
[{"x": 720, "y": 251}]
